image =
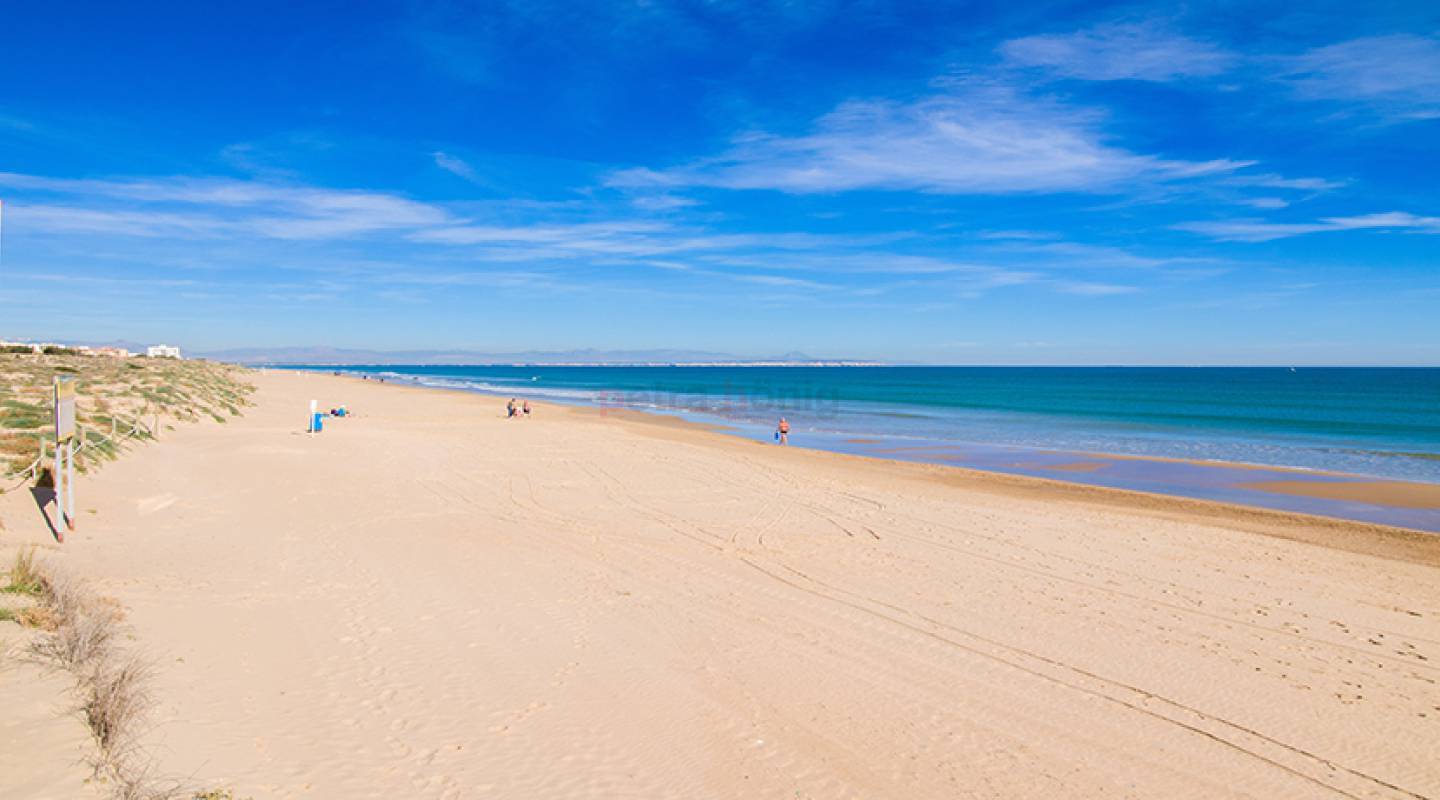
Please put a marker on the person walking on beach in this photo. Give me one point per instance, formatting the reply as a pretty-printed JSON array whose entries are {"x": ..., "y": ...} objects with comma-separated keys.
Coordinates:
[
  {"x": 782, "y": 432},
  {"x": 510, "y": 409}
]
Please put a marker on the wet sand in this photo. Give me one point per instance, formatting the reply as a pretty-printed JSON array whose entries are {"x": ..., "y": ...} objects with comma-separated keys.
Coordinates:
[
  {"x": 1390, "y": 493},
  {"x": 1389, "y": 502}
]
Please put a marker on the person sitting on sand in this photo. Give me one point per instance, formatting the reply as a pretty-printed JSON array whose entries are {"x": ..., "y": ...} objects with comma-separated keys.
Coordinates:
[
  {"x": 782, "y": 432},
  {"x": 526, "y": 409}
]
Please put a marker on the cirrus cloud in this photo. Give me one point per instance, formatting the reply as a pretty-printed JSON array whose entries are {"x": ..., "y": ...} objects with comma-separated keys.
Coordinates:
[
  {"x": 1398, "y": 75},
  {"x": 1118, "y": 51},
  {"x": 1255, "y": 230},
  {"x": 976, "y": 139}
]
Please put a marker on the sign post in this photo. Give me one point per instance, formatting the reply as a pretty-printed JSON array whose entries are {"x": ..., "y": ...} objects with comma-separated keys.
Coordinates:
[{"x": 64, "y": 474}]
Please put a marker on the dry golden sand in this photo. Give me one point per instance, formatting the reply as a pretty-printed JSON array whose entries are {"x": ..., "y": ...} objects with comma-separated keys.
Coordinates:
[
  {"x": 43, "y": 745},
  {"x": 431, "y": 601}
]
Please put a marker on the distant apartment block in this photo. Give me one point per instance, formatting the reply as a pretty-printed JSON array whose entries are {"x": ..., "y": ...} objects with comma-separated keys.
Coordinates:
[
  {"x": 162, "y": 351},
  {"x": 54, "y": 348},
  {"x": 21, "y": 347}
]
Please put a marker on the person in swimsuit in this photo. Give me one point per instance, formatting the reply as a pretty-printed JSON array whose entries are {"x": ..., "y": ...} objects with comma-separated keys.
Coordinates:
[
  {"x": 784, "y": 431},
  {"x": 526, "y": 408},
  {"x": 510, "y": 409}
]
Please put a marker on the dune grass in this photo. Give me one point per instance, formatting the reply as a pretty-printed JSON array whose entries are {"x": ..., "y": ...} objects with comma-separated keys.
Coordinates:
[
  {"x": 113, "y": 394},
  {"x": 23, "y": 577}
]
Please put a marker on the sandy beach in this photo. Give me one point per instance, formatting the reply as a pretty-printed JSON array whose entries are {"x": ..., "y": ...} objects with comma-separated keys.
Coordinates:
[{"x": 429, "y": 600}]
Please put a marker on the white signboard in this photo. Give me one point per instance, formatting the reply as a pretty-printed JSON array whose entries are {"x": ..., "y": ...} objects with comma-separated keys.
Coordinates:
[{"x": 64, "y": 409}]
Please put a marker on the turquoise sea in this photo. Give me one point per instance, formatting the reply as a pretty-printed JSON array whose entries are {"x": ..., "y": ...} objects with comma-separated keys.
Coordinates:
[{"x": 1377, "y": 422}]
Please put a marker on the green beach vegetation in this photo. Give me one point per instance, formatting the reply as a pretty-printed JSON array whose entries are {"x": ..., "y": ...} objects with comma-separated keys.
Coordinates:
[{"x": 119, "y": 400}]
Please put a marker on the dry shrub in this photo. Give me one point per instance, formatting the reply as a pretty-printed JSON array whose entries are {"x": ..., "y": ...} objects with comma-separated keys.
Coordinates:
[
  {"x": 131, "y": 782},
  {"x": 41, "y": 617},
  {"x": 110, "y": 606},
  {"x": 116, "y": 701},
  {"x": 113, "y": 686},
  {"x": 80, "y": 639},
  {"x": 62, "y": 593},
  {"x": 82, "y": 630}
]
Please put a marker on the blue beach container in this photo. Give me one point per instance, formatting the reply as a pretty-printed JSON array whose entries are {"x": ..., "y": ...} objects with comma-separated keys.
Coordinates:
[{"x": 318, "y": 423}]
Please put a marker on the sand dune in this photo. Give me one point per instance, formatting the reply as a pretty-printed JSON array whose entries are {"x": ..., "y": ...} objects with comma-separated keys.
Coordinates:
[{"x": 431, "y": 601}]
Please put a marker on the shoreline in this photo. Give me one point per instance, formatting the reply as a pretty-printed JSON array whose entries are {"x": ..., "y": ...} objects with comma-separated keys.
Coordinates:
[
  {"x": 1339, "y": 533},
  {"x": 1161, "y": 427},
  {"x": 1303, "y": 492}
]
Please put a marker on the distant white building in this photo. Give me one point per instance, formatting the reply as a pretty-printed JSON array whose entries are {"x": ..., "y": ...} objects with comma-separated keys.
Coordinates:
[{"x": 162, "y": 351}]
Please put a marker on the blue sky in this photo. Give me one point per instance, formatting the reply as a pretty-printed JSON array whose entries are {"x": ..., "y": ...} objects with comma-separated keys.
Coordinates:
[{"x": 1229, "y": 182}]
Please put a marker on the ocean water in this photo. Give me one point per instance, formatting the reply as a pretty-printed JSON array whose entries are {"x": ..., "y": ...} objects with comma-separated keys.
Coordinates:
[
  {"x": 1380, "y": 422},
  {"x": 1375, "y": 422}
]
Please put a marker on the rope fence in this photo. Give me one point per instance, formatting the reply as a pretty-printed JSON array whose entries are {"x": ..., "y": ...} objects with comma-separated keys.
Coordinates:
[{"x": 32, "y": 471}]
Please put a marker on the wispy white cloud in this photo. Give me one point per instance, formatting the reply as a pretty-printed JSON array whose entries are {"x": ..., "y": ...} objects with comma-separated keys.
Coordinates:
[
  {"x": 1254, "y": 230},
  {"x": 1389, "y": 219},
  {"x": 1266, "y": 203},
  {"x": 549, "y": 240},
  {"x": 1274, "y": 185},
  {"x": 662, "y": 202},
  {"x": 203, "y": 207},
  {"x": 1271, "y": 180},
  {"x": 1078, "y": 255},
  {"x": 1119, "y": 51},
  {"x": 43, "y": 218},
  {"x": 777, "y": 280},
  {"x": 1089, "y": 289},
  {"x": 1398, "y": 75},
  {"x": 906, "y": 266},
  {"x": 1021, "y": 235},
  {"x": 973, "y": 139},
  {"x": 227, "y": 223},
  {"x": 625, "y": 238},
  {"x": 92, "y": 280},
  {"x": 455, "y": 166}
]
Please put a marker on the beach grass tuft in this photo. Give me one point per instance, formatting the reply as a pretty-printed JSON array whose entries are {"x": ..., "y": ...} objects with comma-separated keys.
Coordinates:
[{"x": 23, "y": 577}]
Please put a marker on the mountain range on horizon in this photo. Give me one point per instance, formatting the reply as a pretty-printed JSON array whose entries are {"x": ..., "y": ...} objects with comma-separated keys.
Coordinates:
[{"x": 347, "y": 356}]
